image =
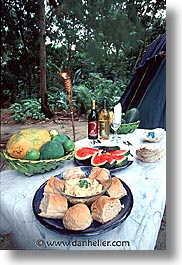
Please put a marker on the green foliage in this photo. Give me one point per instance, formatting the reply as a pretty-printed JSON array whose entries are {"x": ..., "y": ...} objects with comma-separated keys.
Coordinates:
[
  {"x": 18, "y": 113},
  {"x": 98, "y": 88},
  {"x": 58, "y": 100},
  {"x": 19, "y": 47},
  {"x": 102, "y": 88},
  {"x": 98, "y": 42},
  {"x": 81, "y": 98},
  {"x": 27, "y": 108}
]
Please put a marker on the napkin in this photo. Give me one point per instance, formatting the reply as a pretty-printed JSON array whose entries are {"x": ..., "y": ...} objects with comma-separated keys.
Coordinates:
[{"x": 117, "y": 113}]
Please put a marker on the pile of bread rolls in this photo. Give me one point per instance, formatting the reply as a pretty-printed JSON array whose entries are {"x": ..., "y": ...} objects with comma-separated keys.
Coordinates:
[{"x": 80, "y": 216}]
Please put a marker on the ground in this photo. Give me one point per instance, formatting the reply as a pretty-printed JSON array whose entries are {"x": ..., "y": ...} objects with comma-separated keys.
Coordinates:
[{"x": 64, "y": 125}]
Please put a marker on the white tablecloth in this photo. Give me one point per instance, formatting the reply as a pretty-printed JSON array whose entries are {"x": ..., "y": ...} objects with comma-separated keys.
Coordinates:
[{"x": 147, "y": 182}]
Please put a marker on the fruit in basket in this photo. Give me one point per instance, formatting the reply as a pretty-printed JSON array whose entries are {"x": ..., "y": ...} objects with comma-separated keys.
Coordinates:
[
  {"x": 69, "y": 145},
  {"x": 131, "y": 115},
  {"x": 54, "y": 132},
  {"x": 32, "y": 154},
  {"x": 19, "y": 143},
  {"x": 61, "y": 138},
  {"x": 51, "y": 150},
  {"x": 123, "y": 121}
]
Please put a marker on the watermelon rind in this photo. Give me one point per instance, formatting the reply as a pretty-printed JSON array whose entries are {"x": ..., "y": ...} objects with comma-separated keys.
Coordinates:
[
  {"x": 120, "y": 160},
  {"x": 108, "y": 148},
  {"x": 119, "y": 152}
]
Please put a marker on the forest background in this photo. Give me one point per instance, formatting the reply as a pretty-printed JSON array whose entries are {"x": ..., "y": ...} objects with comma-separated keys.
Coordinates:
[{"x": 98, "y": 42}]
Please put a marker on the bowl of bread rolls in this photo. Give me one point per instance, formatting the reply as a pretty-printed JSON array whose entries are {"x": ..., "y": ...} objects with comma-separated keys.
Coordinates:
[
  {"x": 85, "y": 200},
  {"x": 84, "y": 184}
]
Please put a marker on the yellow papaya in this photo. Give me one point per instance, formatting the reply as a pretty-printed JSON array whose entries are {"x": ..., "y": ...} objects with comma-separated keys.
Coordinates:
[{"x": 19, "y": 143}]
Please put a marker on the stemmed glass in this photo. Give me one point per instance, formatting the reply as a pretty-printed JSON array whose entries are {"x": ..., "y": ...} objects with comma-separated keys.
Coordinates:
[
  {"x": 116, "y": 122},
  {"x": 115, "y": 127}
]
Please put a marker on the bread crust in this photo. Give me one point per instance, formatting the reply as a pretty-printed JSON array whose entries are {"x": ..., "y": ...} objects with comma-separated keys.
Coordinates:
[
  {"x": 116, "y": 190},
  {"x": 53, "y": 184},
  {"x": 77, "y": 217},
  {"x": 53, "y": 205},
  {"x": 105, "y": 209},
  {"x": 72, "y": 173},
  {"x": 100, "y": 174}
]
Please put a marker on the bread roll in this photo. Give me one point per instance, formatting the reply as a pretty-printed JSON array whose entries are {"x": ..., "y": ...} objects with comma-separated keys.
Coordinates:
[
  {"x": 100, "y": 174},
  {"x": 53, "y": 184},
  {"x": 73, "y": 173},
  {"x": 105, "y": 209},
  {"x": 59, "y": 184},
  {"x": 116, "y": 189},
  {"x": 53, "y": 206},
  {"x": 77, "y": 217}
]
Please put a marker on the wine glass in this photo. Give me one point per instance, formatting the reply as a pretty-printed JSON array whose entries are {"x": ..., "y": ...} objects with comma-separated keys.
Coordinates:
[
  {"x": 116, "y": 122},
  {"x": 115, "y": 127}
]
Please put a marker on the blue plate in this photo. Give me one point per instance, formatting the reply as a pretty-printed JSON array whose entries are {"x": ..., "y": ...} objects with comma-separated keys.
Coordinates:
[
  {"x": 114, "y": 169},
  {"x": 87, "y": 162},
  {"x": 96, "y": 228}
]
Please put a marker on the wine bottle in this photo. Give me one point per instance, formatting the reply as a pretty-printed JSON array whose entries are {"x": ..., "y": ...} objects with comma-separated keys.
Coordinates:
[
  {"x": 104, "y": 123},
  {"x": 93, "y": 122}
]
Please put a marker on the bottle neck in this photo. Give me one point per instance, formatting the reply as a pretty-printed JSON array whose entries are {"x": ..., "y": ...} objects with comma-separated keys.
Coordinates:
[{"x": 93, "y": 104}]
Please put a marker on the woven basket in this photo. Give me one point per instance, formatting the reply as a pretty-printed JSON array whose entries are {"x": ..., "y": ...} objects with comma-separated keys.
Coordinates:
[
  {"x": 128, "y": 127},
  {"x": 30, "y": 167}
]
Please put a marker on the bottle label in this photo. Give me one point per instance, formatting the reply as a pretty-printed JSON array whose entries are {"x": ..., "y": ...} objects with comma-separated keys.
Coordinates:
[
  {"x": 93, "y": 129},
  {"x": 104, "y": 128}
]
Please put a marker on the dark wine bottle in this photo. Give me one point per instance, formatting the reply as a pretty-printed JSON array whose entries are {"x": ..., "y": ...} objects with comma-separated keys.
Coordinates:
[{"x": 93, "y": 122}]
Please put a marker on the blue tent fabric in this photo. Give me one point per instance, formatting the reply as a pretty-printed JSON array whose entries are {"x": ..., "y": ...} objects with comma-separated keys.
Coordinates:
[{"x": 147, "y": 89}]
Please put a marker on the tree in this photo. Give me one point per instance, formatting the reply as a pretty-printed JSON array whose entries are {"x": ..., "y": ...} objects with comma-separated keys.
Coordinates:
[
  {"x": 43, "y": 87},
  {"x": 86, "y": 37},
  {"x": 19, "y": 50}
]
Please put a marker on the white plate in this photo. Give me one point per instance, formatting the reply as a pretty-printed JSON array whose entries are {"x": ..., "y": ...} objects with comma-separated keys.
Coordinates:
[{"x": 153, "y": 136}]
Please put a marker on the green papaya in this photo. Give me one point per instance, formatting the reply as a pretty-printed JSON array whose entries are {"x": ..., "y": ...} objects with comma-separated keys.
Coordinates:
[{"x": 132, "y": 115}]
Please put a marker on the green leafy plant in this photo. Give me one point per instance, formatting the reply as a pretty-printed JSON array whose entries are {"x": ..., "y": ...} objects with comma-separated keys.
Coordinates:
[
  {"x": 58, "y": 100},
  {"x": 81, "y": 98},
  {"x": 101, "y": 88},
  {"x": 27, "y": 108}
]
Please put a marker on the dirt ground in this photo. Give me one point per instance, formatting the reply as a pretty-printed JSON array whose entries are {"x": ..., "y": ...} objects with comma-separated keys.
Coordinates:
[{"x": 64, "y": 125}]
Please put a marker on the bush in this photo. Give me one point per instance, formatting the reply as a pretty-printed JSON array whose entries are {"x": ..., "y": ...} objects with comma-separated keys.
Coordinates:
[
  {"x": 27, "y": 108},
  {"x": 101, "y": 88}
]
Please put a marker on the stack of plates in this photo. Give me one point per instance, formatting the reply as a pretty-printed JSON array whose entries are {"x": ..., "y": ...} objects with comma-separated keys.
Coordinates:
[{"x": 149, "y": 155}]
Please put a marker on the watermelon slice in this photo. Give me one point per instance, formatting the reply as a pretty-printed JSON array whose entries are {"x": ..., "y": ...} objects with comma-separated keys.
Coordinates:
[
  {"x": 103, "y": 160},
  {"x": 84, "y": 153},
  {"x": 119, "y": 152},
  {"x": 120, "y": 160}
]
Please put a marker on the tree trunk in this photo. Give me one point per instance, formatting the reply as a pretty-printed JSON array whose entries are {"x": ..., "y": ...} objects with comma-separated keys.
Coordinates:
[{"x": 43, "y": 86}]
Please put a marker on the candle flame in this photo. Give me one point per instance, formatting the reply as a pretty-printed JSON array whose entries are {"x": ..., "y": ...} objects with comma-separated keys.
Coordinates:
[{"x": 64, "y": 75}]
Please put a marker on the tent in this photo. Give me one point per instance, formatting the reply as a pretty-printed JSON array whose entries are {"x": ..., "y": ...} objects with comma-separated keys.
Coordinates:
[{"x": 147, "y": 88}]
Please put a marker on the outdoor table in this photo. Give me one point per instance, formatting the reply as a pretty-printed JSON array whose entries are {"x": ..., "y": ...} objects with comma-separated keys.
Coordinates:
[{"x": 139, "y": 231}]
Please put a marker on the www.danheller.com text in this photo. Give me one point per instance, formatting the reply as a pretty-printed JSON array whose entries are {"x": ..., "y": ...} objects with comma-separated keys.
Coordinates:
[{"x": 82, "y": 243}]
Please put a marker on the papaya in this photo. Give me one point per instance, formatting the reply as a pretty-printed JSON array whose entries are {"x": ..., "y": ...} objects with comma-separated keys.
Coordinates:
[
  {"x": 24, "y": 140},
  {"x": 131, "y": 115}
]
